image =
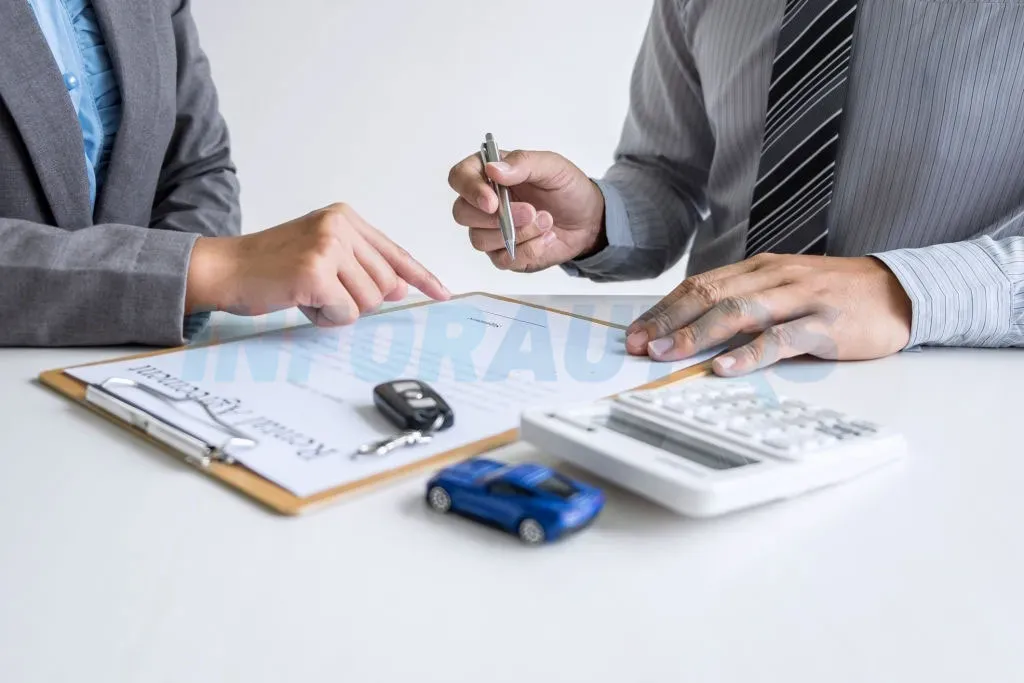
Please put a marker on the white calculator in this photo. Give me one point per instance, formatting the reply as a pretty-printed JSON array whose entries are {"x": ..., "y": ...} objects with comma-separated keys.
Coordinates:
[{"x": 710, "y": 446}]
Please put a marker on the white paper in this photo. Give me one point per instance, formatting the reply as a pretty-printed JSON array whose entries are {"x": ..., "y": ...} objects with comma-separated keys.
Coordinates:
[{"x": 306, "y": 394}]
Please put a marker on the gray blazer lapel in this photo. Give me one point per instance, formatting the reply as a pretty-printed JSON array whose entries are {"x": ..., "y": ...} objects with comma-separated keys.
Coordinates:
[
  {"x": 33, "y": 90},
  {"x": 130, "y": 34}
]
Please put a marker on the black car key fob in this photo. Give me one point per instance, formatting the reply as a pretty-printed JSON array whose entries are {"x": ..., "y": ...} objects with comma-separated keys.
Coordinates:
[{"x": 412, "y": 405}]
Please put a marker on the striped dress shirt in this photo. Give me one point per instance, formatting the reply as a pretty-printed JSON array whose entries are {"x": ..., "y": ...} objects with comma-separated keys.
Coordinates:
[{"x": 930, "y": 173}]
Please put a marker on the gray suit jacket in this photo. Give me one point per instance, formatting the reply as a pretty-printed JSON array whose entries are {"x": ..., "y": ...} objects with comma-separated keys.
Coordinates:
[{"x": 71, "y": 277}]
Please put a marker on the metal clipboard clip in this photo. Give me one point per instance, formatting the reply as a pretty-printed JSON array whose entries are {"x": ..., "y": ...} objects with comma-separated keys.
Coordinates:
[{"x": 195, "y": 450}]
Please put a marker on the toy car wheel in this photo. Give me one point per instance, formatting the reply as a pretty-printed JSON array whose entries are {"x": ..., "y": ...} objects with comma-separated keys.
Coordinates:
[
  {"x": 439, "y": 499},
  {"x": 531, "y": 532}
]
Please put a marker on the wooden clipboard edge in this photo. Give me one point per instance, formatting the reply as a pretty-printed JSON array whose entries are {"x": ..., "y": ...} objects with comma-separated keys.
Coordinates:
[{"x": 283, "y": 501}]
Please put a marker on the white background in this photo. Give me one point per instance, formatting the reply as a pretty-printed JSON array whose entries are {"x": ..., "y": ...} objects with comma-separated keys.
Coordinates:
[{"x": 371, "y": 103}]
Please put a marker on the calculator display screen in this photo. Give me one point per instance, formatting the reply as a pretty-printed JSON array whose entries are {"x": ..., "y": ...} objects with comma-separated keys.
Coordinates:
[{"x": 716, "y": 460}]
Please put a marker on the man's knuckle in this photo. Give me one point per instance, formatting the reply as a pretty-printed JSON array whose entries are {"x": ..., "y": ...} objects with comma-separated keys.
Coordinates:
[
  {"x": 795, "y": 270},
  {"x": 735, "y": 306},
  {"x": 687, "y": 337},
  {"x": 533, "y": 250},
  {"x": 754, "y": 352},
  {"x": 781, "y": 337},
  {"x": 519, "y": 156},
  {"x": 562, "y": 176},
  {"x": 763, "y": 259},
  {"x": 476, "y": 240},
  {"x": 499, "y": 261},
  {"x": 453, "y": 176},
  {"x": 661, "y": 321},
  {"x": 704, "y": 291}
]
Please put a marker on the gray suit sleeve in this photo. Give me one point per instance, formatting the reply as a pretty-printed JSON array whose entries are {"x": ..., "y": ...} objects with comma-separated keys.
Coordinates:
[
  {"x": 117, "y": 284},
  {"x": 654, "y": 192},
  {"x": 199, "y": 189}
]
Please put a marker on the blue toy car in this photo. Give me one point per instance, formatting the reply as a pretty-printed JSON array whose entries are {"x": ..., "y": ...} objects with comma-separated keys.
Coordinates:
[{"x": 534, "y": 502}]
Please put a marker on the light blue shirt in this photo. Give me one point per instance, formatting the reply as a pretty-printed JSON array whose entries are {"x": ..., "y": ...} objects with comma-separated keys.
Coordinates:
[{"x": 75, "y": 38}]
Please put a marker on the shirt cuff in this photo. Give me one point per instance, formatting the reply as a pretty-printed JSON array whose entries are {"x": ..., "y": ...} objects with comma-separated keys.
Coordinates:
[
  {"x": 195, "y": 326},
  {"x": 958, "y": 293},
  {"x": 606, "y": 263}
]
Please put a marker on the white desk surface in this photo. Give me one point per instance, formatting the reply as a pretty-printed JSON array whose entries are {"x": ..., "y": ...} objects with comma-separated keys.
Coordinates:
[{"x": 117, "y": 564}]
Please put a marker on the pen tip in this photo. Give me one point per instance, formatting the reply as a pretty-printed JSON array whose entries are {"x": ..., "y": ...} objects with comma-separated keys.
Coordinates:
[{"x": 489, "y": 138}]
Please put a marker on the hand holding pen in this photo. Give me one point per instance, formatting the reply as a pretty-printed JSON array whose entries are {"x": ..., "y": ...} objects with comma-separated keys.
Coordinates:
[
  {"x": 554, "y": 212},
  {"x": 489, "y": 155}
]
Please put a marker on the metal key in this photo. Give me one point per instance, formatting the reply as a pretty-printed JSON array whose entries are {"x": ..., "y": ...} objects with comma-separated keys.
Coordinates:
[
  {"x": 413, "y": 437},
  {"x": 385, "y": 446}
]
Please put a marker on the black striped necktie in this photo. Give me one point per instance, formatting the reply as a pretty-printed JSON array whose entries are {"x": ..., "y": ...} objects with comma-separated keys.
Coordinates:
[{"x": 805, "y": 106}]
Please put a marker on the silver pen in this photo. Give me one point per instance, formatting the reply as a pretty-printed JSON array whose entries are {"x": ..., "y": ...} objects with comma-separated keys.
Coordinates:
[{"x": 489, "y": 153}]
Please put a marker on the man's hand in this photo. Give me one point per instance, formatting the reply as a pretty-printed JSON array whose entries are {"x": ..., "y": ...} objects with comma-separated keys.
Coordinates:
[
  {"x": 557, "y": 210},
  {"x": 832, "y": 308},
  {"x": 330, "y": 263}
]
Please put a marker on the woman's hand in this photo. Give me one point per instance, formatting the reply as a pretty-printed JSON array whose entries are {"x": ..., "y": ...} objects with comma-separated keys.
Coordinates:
[{"x": 331, "y": 264}]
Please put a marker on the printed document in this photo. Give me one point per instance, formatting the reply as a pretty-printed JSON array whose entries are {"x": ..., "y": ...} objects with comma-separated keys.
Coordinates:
[{"x": 305, "y": 395}]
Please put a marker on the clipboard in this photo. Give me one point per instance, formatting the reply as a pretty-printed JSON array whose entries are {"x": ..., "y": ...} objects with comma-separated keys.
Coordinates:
[{"x": 245, "y": 481}]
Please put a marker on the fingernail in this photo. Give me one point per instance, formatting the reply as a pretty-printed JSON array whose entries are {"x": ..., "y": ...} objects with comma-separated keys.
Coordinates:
[
  {"x": 549, "y": 237},
  {"x": 659, "y": 347},
  {"x": 544, "y": 221},
  {"x": 637, "y": 339},
  {"x": 725, "y": 362},
  {"x": 501, "y": 166}
]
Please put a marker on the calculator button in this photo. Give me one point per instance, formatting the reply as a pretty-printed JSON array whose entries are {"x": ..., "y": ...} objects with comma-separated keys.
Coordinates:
[
  {"x": 794, "y": 430},
  {"x": 837, "y": 432},
  {"x": 749, "y": 429},
  {"x": 767, "y": 431},
  {"x": 402, "y": 387},
  {"x": 787, "y": 445}
]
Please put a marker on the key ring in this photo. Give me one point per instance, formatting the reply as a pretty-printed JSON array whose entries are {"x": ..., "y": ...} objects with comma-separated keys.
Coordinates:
[{"x": 410, "y": 438}]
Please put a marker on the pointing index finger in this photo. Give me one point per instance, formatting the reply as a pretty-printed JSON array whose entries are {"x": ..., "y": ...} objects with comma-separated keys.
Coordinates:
[{"x": 408, "y": 268}]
